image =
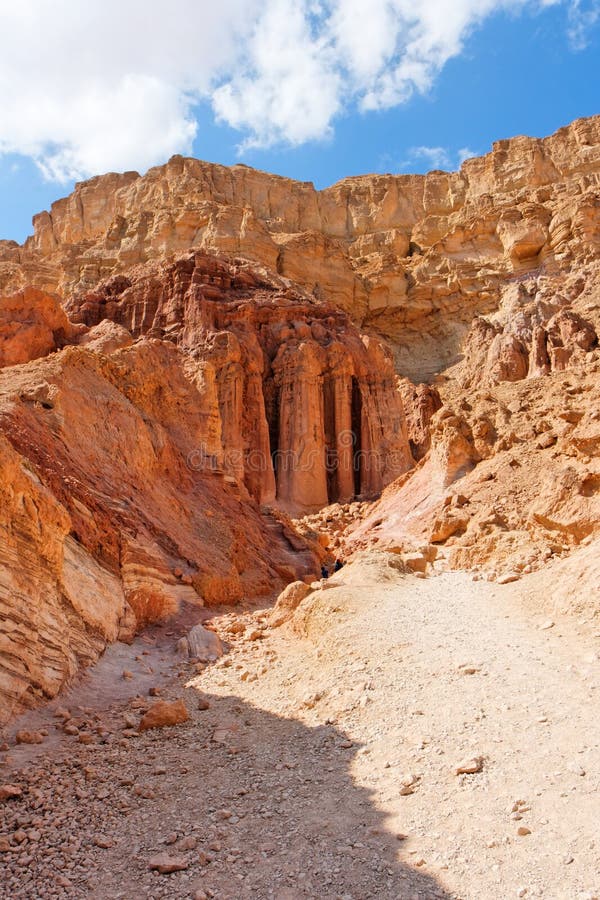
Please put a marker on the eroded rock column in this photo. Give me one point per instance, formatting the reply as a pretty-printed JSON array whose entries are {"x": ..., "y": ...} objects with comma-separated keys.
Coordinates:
[
  {"x": 368, "y": 459},
  {"x": 244, "y": 426},
  {"x": 382, "y": 452},
  {"x": 339, "y": 436},
  {"x": 258, "y": 467},
  {"x": 300, "y": 459},
  {"x": 227, "y": 358}
]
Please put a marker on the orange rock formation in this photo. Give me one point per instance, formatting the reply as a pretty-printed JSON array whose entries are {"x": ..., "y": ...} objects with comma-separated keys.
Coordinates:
[
  {"x": 135, "y": 460},
  {"x": 191, "y": 353}
]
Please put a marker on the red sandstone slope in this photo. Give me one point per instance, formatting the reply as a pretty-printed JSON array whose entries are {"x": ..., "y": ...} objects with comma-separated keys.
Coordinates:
[
  {"x": 133, "y": 462},
  {"x": 300, "y": 393}
]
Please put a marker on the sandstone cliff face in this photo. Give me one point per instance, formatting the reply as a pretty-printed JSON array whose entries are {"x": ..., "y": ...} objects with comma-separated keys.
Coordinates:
[
  {"x": 534, "y": 332},
  {"x": 104, "y": 524},
  {"x": 189, "y": 354},
  {"x": 300, "y": 407},
  {"x": 512, "y": 479},
  {"x": 58, "y": 605},
  {"x": 32, "y": 324},
  {"x": 414, "y": 258},
  {"x": 134, "y": 460}
]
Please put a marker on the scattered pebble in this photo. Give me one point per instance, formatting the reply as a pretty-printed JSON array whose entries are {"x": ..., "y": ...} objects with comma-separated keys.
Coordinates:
[
  {"x": 10, "y": 791},
  {"x": 471, "y": 767},
  {"x": 166, "y": 864}
]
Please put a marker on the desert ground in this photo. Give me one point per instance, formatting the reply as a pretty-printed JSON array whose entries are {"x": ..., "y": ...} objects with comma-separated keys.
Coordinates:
[{"x": 320, "y": 757}]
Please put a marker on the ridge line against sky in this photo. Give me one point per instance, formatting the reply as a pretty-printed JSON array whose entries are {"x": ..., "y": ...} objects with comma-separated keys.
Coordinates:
[{"x": 313, "y": 90}]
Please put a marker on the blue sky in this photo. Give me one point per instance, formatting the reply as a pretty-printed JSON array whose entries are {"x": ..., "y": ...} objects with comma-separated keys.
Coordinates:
[{"x": 307, "y": 90}]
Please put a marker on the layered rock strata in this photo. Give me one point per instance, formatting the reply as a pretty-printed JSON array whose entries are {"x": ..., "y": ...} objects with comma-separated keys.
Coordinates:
[
  {"x": 180, "y": 362},
  {"x": 300, "y": 406},
  {"x": 104, "y": 526},
  {"x": 534, "y": 332},
  {"x": 512, "y": 476},
  {"x": 413, "y": 257},
  {"x": 139, "y": 441}
]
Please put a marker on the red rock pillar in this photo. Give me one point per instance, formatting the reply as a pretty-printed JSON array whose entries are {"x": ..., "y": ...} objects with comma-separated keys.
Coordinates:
[
  {"x": 300, "y": 464},
  {"x": 231, "y": 392},
  {"x": 343, "y": 441},
  {"x": 259, "y": 476},
  {"x": 384, "y": 448},
  {"x": 371, "y": 445},
  {"x": 539, "y": 363}
]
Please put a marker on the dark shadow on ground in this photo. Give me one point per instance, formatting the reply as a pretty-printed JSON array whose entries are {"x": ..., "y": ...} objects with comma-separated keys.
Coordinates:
[{"x": 269, "y": 803}]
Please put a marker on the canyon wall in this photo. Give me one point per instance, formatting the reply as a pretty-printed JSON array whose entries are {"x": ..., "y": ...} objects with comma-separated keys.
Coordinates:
[
  {"x": 188, "y": 356},
  {"x": 510, "y": 477},
  {"x": 304, "y": 406},
  {"x": 104, "y": 525},
  {"x": 411, "y": 257},
  {"x": 146, "y": 427}
]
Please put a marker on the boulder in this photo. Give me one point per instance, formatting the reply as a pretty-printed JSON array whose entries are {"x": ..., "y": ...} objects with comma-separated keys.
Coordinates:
[
  {"x": 289, "y": 600},
  {"x": 29, "y": 737},
  {"x": 164, "y": 713},
  {"x": 10, "y": 792},
  {"x": 203, "y": 644},
  {"x": 166, "y": 864}
]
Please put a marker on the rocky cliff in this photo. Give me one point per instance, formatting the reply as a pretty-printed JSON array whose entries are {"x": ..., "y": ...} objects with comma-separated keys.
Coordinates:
[
  {"x": 305, "y": 407},
  {"x": 508, "y": 439},
  {"x": 411, "y": 257},
  {"x": 190, "y": 355},
  {"x": 145, "y": 426}
]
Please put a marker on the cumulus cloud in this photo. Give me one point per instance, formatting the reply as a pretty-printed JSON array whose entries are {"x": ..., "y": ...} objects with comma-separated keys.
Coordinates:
[
  {"x": 115, "y": 84},
  {"x": 288, "y": 87},
  {"x": 437, "y": 157},
  {"x": 110, "y": 84}
]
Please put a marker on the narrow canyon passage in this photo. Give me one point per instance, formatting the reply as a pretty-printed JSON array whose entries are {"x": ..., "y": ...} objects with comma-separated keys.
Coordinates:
[{"x": 325, "y": 763}]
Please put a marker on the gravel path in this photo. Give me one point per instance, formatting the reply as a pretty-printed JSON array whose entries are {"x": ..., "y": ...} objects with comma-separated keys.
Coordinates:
[{"x": 325, "y": 762}]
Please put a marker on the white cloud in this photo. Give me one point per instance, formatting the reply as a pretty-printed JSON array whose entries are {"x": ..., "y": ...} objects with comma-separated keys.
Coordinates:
[
  {"x": 436, "y": 157},
  {"x": 582, "y": 18},
  {"x": 288, "y": 87},
  {"x": 112, "y": 84},
  {"x": 90, "y": 86}
]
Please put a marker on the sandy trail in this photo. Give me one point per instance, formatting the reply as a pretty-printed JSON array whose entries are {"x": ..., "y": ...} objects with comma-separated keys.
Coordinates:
[
  {"x": 388, "y": 661},
  {"x": 294, "y": 782}
]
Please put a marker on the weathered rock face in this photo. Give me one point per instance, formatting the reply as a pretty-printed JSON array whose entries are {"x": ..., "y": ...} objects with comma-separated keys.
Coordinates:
[
  {"x": 104, "y": 524},
  {"x": 32, "y": 324},
  {"x": 529, "y": 336},
  {"x": 300, "y": 407},
  {"x": 412, "y": 257},
  {"x": 48, "y": 582},
  {"x": 161, "y": 382},
  {"x": 420, "y": 403},
  {"x": 512, "y": 479},
  {"x": 132, "y": 461}
]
